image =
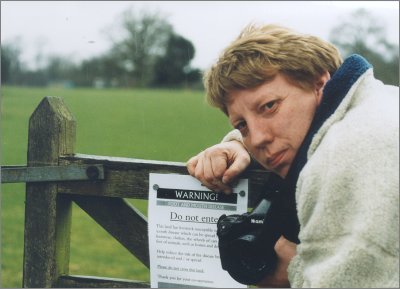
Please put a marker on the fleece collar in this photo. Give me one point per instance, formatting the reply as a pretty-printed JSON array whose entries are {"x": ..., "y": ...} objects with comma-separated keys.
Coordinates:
[
  {"x": 337, "y": 88},
  {"x": 334, "y": 92}
]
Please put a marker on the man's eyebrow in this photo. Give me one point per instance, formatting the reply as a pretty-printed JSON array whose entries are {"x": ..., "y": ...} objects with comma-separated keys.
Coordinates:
[{"x": 233, "y": 119}]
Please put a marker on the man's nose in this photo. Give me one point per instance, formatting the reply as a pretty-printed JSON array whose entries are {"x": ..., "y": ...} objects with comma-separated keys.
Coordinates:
[{"x": 260, "y": 134}]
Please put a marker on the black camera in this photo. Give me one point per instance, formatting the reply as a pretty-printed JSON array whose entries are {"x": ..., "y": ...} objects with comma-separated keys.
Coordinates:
[{"x": 247, "y": 241}]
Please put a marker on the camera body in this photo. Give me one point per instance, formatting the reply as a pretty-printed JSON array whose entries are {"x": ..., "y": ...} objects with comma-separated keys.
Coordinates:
[
  {"x": 247, "y": 241},
  {"x": 246, "y": 246}
]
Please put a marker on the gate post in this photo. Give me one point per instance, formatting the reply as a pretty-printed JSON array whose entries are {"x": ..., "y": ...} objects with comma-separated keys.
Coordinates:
[{"x": 52, "y": 132}]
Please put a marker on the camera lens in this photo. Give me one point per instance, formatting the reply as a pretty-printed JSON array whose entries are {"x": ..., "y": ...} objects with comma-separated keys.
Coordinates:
[
  {"x": 249, "y": 261},
  {"x": 252, "y": 255}
]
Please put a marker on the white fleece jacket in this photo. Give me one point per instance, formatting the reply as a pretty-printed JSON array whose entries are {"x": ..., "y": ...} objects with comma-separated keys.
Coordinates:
[{"x": 348, "y": 194}]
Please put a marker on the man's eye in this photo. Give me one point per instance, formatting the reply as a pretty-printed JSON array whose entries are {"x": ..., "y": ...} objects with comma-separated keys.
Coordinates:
[
  {"x": 271, "y": 106},
  {"x": 240, "y": 126}
]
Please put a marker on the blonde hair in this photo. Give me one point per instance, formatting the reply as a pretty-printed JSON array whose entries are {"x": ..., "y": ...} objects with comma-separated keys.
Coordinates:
[{"x": 260, "y": 53}]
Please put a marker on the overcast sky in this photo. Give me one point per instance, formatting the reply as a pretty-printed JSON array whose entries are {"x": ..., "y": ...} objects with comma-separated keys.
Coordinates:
[{"x": 76, "y": 28}]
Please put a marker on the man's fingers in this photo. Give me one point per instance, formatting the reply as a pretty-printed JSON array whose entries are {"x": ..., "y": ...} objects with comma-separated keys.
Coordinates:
[
  {"x": 200, "y": 171},
  {"x": 236, "y": 168},
  {"x": 219, "y": 165},
  {"x": 191, "y": 165},
  {"x": 209, "y": 170},
  {"x": 213, "y": 178}
]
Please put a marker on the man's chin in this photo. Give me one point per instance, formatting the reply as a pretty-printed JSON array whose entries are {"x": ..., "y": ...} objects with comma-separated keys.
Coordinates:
[{"x": 281, "y": 171}]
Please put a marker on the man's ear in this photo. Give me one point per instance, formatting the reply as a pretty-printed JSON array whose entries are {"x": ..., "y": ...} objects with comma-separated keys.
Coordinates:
[{"x": 320, "y": 84}]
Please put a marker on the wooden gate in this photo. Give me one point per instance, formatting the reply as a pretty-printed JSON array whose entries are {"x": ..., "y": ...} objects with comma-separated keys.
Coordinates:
[{"x": 56, "y": 176}]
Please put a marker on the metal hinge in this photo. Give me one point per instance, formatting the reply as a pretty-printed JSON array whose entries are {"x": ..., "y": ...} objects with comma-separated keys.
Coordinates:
[{"x": 23, "y": 174}]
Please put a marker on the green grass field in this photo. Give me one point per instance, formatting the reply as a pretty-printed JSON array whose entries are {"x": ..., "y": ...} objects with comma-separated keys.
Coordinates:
[{"x": 170, "y": 125}]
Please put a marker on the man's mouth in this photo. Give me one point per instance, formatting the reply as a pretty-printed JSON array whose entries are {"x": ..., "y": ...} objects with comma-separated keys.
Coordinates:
[{"x": 275, "y": 160}]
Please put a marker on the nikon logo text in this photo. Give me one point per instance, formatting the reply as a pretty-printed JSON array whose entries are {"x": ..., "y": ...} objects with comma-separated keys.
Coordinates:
[{"x": 253, "y": 221}]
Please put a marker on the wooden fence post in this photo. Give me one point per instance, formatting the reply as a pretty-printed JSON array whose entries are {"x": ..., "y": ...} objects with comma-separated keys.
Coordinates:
[{"x": 52, "y": 131}]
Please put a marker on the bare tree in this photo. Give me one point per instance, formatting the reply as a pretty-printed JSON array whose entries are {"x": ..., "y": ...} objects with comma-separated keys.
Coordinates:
[{"x": 144, "y": 38}]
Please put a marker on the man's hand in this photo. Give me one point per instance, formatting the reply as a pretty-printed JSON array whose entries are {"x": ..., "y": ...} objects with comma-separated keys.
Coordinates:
[
  {"x": 218, "y": 165},
  {"x": 285, "y": 250}
]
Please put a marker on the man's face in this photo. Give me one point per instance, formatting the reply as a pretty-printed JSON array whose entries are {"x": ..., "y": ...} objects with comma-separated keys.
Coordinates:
[{"x": 274, "y": 119}]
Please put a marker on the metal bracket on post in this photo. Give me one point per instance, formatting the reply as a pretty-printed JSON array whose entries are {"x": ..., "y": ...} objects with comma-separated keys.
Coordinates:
[{"x": 23, "y": 174}]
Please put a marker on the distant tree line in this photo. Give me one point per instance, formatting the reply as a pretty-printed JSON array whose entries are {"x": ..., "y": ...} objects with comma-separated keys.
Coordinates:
[
  {"x": 148, "y": 53},
  {"x": 363, "y": 34}
]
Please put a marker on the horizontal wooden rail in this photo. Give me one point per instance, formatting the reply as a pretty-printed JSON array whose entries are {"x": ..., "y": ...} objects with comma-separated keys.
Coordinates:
[
  {"x": 24, "y": 174},
  {"x": 129, "y": 178}
]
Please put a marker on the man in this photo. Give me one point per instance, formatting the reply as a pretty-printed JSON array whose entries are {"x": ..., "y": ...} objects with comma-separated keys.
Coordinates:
[{"x": 330, "y": 129}]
